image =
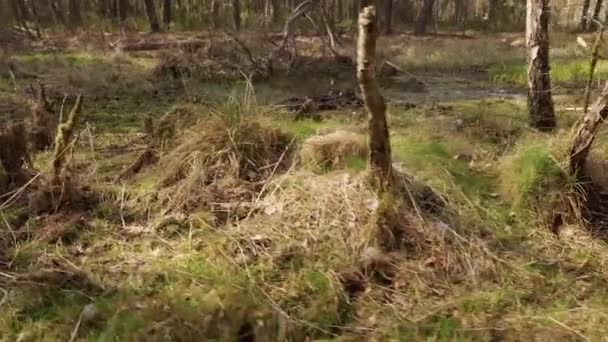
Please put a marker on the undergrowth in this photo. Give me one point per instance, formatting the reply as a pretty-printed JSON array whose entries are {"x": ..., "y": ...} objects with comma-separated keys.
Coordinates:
[{"x": 239, "y": 228}]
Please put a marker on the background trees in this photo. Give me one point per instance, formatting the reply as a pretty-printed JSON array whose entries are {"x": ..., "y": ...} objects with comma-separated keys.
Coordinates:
[{"x": 419, "y": 16}]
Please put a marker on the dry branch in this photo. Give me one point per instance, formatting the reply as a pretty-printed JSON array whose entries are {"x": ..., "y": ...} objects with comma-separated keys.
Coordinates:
[{"x": 63, "y": 138}]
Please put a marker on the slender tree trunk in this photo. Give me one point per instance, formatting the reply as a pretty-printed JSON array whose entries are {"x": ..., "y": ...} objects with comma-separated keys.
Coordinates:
[
  {"x": 123, "y": 10},
  {"x": 167, "y": 12},
  {"x": 380, "y": 149},
  {"x": 75, "y": 18},
  {"x": 493, "y": 10},
  {"x": 585, "y": 15},
  {"x": 152, "y": 16},
  {"x": 236, "y": 15},
  {"x": 276, "y": 11},
  {"x": 388, "y": 16},
  {"x": 425, "y": 17},
  {"x": 339, "y": 10},
  {"x": 36, "y": 19},
  {"x": 215, "y": 13},
  {"x": 595, "y": 23},
  {"x": 585, "y": 134},
  {"x": 25, "y": 13},
  {"x": 540, "y": 103},
  {"x": 595, "y": 55}
]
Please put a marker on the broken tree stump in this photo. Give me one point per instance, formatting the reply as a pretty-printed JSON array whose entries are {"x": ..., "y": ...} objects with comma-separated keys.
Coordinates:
[
  {"x": 586, "y": 132},
  {"x": 380, "y": 163}
]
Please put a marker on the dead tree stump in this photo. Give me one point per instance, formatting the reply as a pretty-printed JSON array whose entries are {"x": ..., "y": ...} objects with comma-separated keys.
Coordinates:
[
  {"x": 585, "y": 134},
  {"x": 379, "y": 145}
]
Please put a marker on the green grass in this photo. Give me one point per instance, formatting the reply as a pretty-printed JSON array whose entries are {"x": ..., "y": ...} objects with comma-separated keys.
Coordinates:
[
  {"x": 494, "y": 272},
  {"x": 562, "y": 71}
]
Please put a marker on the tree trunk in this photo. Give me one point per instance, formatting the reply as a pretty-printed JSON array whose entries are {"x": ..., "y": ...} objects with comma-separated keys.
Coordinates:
[
  {"x": 276, "y": 11},
  {"x": 595, "y": 23},
  {"x": 152, "y": 16},
  {"x": 493, "y": 10},
  {"x": 585, "y": 134},
  {"x": 167, "y": 12},
  {"x": 388, "y": 16},
  {"x": 424, "y": 18},
  {"x": 215, "y": 13},
  {"x": 236, "y": 15},
  {"x": 540, "y": 103},
  {"x": 57, "y": 10},
  {"x": 123, "y": 10},
  {"x": 36, "y": 19},
  {"x": 379, "y": 145},
  {"x": 585, "y": 15},
  {"x": 25, "y": 13},
  {"x": 75, "y": 18}
]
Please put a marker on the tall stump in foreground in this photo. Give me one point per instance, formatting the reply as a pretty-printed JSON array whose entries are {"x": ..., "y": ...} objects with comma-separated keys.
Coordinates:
[
  {"x": 540, "y": 103},
  {"x": 379, "y": 145}
]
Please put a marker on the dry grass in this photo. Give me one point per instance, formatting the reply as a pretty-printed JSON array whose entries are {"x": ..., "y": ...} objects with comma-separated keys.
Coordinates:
[
  {"x": 332, "y": 151},
  {"x": 221, "y": 167}
]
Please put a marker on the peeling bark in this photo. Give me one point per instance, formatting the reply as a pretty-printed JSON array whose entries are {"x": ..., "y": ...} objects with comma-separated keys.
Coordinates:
[
  {"x": 585, "y": 133},
  {"x": 540, "y": 103},
  {"x": 379, "y": 145}
]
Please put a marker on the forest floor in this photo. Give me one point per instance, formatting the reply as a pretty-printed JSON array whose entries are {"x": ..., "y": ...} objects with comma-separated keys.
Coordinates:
[{"x": 246, "y": 222}]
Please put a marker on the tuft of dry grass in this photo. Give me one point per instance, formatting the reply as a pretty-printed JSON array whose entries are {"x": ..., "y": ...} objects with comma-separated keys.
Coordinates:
[
  {"x": 333, "y": 150},
  {"x": 221, "y": 167}
]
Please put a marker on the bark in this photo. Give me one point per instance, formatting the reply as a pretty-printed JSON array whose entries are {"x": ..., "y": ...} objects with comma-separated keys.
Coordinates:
[
  {"x": 167, "y": 12},
  {"x": 75, "y": 18},
  {"x": 388, "y": 16},
  {"x": 585, "y": 134},
  {"x": 585, "y": 15},
  {"x": 379, "y": 145},
  {"x": 236, "y": 15},
  {"x": 215, "y": 13},
  {"x": 540, "y": 103},
  {"x": 424, "y": 18},
  {"x": 152, "y": 16}
]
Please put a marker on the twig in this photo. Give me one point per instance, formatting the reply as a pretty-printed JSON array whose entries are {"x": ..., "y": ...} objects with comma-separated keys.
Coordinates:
[
  {"x": 576, "y": 332},
  {"x": 76, "y": 327},
  {"x": 4, "y": 296},
  {"x": 10, "y": 229}
]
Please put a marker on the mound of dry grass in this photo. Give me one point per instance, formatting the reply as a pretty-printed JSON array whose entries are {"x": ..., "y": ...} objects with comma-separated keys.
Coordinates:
[
  {"x": 331, "y": 151},
  {"x": 337, "y": 228},
  {"x": 222, "y": 167}
]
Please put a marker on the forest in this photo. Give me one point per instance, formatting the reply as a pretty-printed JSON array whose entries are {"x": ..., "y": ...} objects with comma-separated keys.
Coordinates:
[{"x": 303, "y": 170}]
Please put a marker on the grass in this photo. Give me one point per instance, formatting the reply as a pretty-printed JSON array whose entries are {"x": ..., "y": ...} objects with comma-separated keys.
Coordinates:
[
  {"x": 486, "y": 267},
  {"x": 562, "y": 71}
]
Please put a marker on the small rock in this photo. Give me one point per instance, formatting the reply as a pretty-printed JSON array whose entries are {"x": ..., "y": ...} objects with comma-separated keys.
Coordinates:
[{"x": 89, "y": 313}]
